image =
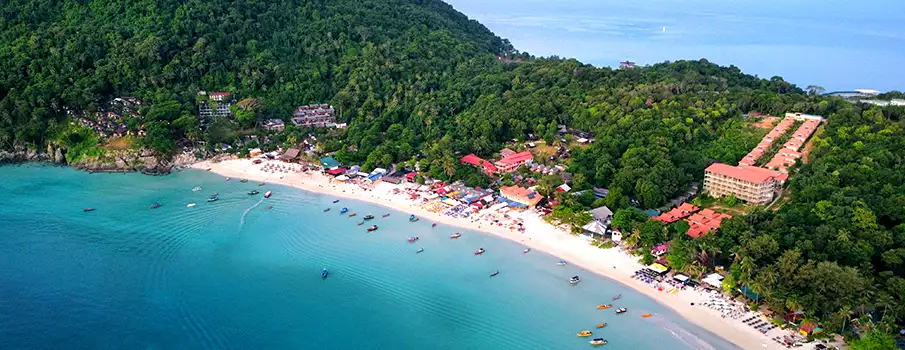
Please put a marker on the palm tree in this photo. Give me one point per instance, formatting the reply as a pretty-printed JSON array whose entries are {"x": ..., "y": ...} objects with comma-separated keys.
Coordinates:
[{"x": 846, "y": 313}]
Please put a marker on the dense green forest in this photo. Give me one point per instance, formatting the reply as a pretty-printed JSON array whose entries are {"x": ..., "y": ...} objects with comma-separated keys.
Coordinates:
[{"x": 417, "y": 80}]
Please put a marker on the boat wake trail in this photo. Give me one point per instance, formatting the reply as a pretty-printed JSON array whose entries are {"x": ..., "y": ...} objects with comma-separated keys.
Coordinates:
[
  {"x": 242, "y": 219},
  {"x": 681, "y": 334}
]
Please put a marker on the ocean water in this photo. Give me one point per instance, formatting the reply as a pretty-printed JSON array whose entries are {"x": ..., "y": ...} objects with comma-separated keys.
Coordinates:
[{"x": 234, "y": 275}]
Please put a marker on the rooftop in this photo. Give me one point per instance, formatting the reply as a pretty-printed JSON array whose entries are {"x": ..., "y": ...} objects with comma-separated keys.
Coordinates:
[
  {"x": 515, "y": 158},
  {"x": 744, "y": 173}
]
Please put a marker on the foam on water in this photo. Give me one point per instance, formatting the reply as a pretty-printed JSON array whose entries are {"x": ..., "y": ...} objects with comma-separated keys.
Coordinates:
[{"x": 125, "y": 276}]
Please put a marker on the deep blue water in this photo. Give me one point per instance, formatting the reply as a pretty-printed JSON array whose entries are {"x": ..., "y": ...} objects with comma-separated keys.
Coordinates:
[
  {"x": 838, "y": 44},
  {"x": 128, "y": 277}
]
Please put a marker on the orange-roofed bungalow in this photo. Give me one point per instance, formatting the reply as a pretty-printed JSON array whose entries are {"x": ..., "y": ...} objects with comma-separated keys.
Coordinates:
[{"x": 521, "y": 195}]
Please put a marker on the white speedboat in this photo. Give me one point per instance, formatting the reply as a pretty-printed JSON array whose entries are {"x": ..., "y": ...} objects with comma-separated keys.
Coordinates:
[
  {"x": 190, "y": 205},
  {"x": 196, "y": 189}
]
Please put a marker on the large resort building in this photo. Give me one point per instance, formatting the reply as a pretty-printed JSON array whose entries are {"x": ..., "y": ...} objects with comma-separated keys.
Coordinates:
[
  {"x": 509, "y": 162},
  {"x": 751, "y": 184},
  {"x": 759, "y": 185},
  {"x": 216, "y": 105}
]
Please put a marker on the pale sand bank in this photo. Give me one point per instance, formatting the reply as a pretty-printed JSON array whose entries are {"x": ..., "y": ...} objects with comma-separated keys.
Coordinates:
[{"x": 538, "y": 235}]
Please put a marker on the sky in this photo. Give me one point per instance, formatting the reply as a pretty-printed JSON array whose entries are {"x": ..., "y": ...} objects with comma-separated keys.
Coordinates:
[{"x": 839, "y": 45}]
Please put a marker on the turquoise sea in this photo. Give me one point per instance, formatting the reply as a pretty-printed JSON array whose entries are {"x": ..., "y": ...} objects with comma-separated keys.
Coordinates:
[{"x": 234, "y": 275}]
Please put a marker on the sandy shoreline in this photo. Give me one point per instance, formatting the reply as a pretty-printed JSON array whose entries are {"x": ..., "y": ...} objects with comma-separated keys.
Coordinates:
[{"x": 538, "y": 235}]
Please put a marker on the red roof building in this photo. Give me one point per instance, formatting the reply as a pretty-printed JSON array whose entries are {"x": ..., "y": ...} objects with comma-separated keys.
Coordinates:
[
  {"x": 750, "y": 184},
  {"x": 521, "y": 195},
  {"x": 336, "y": 171},
  {"x": 704, "y": 222},
  {"x": 676, "y": 214},
  {"x": 479, "y": 162},
  {"x": 512, "y": 161}
]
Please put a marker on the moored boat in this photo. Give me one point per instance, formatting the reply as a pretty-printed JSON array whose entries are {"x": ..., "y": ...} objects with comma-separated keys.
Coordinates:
[
  {"x": 213, "y": 199},
  {"x": 352, "y": 215},
  {"x": 604, "y": 306},
  {"x": 526, "y": 250},
  {"x": 336, "y": 201},
  {"x": 456, "y": 235},
  {"x": 369, "y": 217},
  {"x": 413, "y": 239},
  {"x": 372, "y": 228},
  {"x": 386, "y": 215},
  {"x": 561, "y": 263},
  {"x": 268, "y": 194},
  {"x": 412, "y": 218},
  {"x": 343, "y": 210},
  {"x": 196, "y": 189},
  {"x": 434, "y": 225},
  {"x": 324, "y": 273},
  {"x": 326, "y": 209},
  {"x": 155, "y": 205},
  {"x": 479, "y": 251},
  {"x": 598, "y": 341},
  {"x": 617, "y": 297},
  {"x": 87, "y": 209},
  {"x": 253, "y": 192},
  {"x": 497, "y": 272},
  {"x": 190, "y": 205},
  {"x": 621, "y": 310},
  {"x": 585, "y": 333},
  {"x": 419, "y": 250},
  {"x": 227, "y": 179},
  {"x": 361, "y": 223},
  {"x": 261, "y": 184},
  {"x": 645, "y": 315},
  {"x": 574, "y": 280},
  {"x": 601, "y": 325},
  {"x": 243, "y": 180}
]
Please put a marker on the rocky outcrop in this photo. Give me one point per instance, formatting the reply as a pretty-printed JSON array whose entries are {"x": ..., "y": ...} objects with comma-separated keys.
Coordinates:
[{"x": 142, "y": 161}]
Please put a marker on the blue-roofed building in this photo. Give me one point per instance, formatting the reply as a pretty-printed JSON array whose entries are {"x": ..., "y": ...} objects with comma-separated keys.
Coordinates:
[{"x": 328, "y": 162}]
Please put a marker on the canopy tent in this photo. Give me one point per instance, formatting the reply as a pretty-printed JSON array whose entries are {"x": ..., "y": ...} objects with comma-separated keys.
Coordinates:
[
  {"x": 658, "y": 268},
  {"x": 680, "y": 277},
  {"x": 450, "y": 202},
  {"x": 715, "y": 280},
  {"x": 488, "y": 198}
]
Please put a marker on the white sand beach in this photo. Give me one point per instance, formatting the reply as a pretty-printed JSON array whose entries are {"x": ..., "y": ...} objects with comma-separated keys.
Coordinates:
[{"x": 538, "y": 235}]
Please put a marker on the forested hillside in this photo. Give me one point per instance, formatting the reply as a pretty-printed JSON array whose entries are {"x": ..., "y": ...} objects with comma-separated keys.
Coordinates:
[{"x": 416, "y": 79}]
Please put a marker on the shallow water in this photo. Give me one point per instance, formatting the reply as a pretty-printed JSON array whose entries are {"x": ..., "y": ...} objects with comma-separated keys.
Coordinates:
[{"x": 233, "y": 274}]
